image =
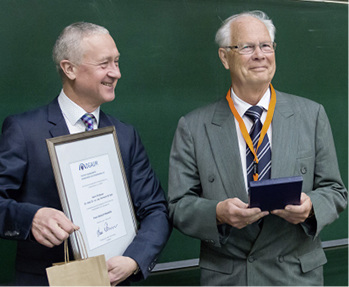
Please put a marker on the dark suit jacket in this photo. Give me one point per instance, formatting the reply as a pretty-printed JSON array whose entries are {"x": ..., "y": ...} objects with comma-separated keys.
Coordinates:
[
  {"x": 205, "y": 168},
  {"x": 27, "y": 184}
]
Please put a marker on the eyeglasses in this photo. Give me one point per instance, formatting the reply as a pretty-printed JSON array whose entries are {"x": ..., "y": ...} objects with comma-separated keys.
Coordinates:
[{"x": 246, "y": 49}]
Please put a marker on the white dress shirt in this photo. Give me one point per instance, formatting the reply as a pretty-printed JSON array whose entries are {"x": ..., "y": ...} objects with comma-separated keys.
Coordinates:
[
  {"x": 241, "y": 107},
  {"x": 72, "y": 114}
]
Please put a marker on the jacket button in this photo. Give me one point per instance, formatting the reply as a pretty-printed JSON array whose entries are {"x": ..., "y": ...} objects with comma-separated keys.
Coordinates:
[
  {"x": 11, "y": 233},
  {"x": 281, "y": 259},
  {"x": 151, "y": 266},
  {"x": 211, "y": 178},
  {"x": 209, "y": 241},
  {"x": 304, "y": 170},
  {"x": 250, "y": 259}
]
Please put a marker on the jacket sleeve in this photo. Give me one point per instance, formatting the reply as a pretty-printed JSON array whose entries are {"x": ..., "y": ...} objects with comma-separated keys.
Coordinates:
[
  {"x": 150, "y": 207},
  {"x": 192, "y": 214},
  {"x": 15, "y": 217},
  {"x": 329, "y": 195}
]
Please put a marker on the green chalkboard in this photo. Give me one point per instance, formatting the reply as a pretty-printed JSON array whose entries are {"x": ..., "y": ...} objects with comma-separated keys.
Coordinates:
[{"x": 169, "y": 66}]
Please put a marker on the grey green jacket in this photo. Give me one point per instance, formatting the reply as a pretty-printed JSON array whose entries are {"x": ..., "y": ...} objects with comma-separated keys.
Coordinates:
[{"x": 205, "y": 168}]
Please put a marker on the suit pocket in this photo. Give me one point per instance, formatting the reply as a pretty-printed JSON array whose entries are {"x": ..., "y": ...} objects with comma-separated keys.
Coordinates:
[{"x": 312, "y": 260}]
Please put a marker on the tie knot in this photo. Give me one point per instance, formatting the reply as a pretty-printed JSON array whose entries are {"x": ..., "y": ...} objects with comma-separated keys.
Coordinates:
[
  {"x": 254, "y": 112},
  {"x": 88, "y": 121}
]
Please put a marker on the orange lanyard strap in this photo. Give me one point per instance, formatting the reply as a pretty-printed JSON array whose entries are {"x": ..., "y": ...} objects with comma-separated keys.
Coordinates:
[{"x": 265, "y": 127}]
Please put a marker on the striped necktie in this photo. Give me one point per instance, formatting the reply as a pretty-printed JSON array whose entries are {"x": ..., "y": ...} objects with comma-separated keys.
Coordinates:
[
  {"x": 264, "y": 150},
  {"x": 88, "y": 120}
]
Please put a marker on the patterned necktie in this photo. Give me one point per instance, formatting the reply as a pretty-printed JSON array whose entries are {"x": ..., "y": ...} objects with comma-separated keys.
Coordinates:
[
  {"x": 88, "y": 121},
  {"x": 264, "y": 151}
]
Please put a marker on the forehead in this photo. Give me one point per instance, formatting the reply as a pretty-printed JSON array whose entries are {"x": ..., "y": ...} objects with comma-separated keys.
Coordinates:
[
  {"x": 249, "y": 29},
  {"x": 98, "y": 46}
]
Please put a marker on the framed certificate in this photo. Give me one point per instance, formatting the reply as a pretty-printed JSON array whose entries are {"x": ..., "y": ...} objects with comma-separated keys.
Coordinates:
[{"x": 93, "y": 190}]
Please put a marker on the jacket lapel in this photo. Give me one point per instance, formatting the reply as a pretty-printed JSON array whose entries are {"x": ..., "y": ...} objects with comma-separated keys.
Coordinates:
[
  {"x": 222, "y": 136},
  {"x": 55, "y": 117},
  {"x": 284, "y": 138},
  {"x": 104, "y": 120}
]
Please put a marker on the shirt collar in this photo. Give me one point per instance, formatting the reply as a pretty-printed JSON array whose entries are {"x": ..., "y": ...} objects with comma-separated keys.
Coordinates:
[
  {"x": 72, "y": 111},
  {"x": 241, "y": 106}
]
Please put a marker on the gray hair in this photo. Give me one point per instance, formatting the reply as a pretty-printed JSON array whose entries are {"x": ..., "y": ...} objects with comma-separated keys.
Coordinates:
[
  {"x": 223, "y": 35},
  {"x": 67, "y": 46}
]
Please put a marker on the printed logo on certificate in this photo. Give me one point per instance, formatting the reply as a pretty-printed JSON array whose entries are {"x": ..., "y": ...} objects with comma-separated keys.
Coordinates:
[{"x": 98, "y": 200}]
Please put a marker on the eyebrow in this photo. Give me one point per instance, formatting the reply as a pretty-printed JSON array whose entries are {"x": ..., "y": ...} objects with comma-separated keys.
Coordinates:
[
  {"x": 103, "y": 59},
  {"x": 107, "y": 58}
]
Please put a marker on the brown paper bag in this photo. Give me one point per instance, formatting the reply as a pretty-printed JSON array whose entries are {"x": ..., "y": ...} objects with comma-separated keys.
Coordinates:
[{"x": 91, "y": 271}]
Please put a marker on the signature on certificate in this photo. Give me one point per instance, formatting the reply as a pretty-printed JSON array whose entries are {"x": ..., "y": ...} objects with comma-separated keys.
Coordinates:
[{"x": 105, "y": 229}]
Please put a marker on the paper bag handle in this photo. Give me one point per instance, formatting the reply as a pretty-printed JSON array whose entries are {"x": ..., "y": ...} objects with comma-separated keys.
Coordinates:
[{"x": 80, "y": 238}]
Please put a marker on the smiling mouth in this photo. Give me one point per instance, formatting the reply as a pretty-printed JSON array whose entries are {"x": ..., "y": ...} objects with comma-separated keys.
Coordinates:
[
  {"x": 107, "y": 84},
  {"x": 259, "y": 68}
]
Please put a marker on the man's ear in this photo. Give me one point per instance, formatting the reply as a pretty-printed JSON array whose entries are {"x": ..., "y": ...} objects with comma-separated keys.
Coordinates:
[
  {"x": 223, "y": 55},
  {"x": 69, "y": 69}
]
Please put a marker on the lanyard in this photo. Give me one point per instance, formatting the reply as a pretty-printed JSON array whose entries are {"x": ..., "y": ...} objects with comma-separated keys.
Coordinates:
[{"x": 265, "y": 127}]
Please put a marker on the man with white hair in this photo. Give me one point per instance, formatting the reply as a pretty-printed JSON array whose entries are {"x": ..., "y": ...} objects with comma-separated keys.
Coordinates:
[{"x": 254, "y": 133}]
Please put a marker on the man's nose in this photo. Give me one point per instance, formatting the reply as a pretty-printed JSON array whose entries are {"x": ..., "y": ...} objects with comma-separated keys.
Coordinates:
[
  {"x": 114, "y": 71},
  {"x": 258, "y": 53}
]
